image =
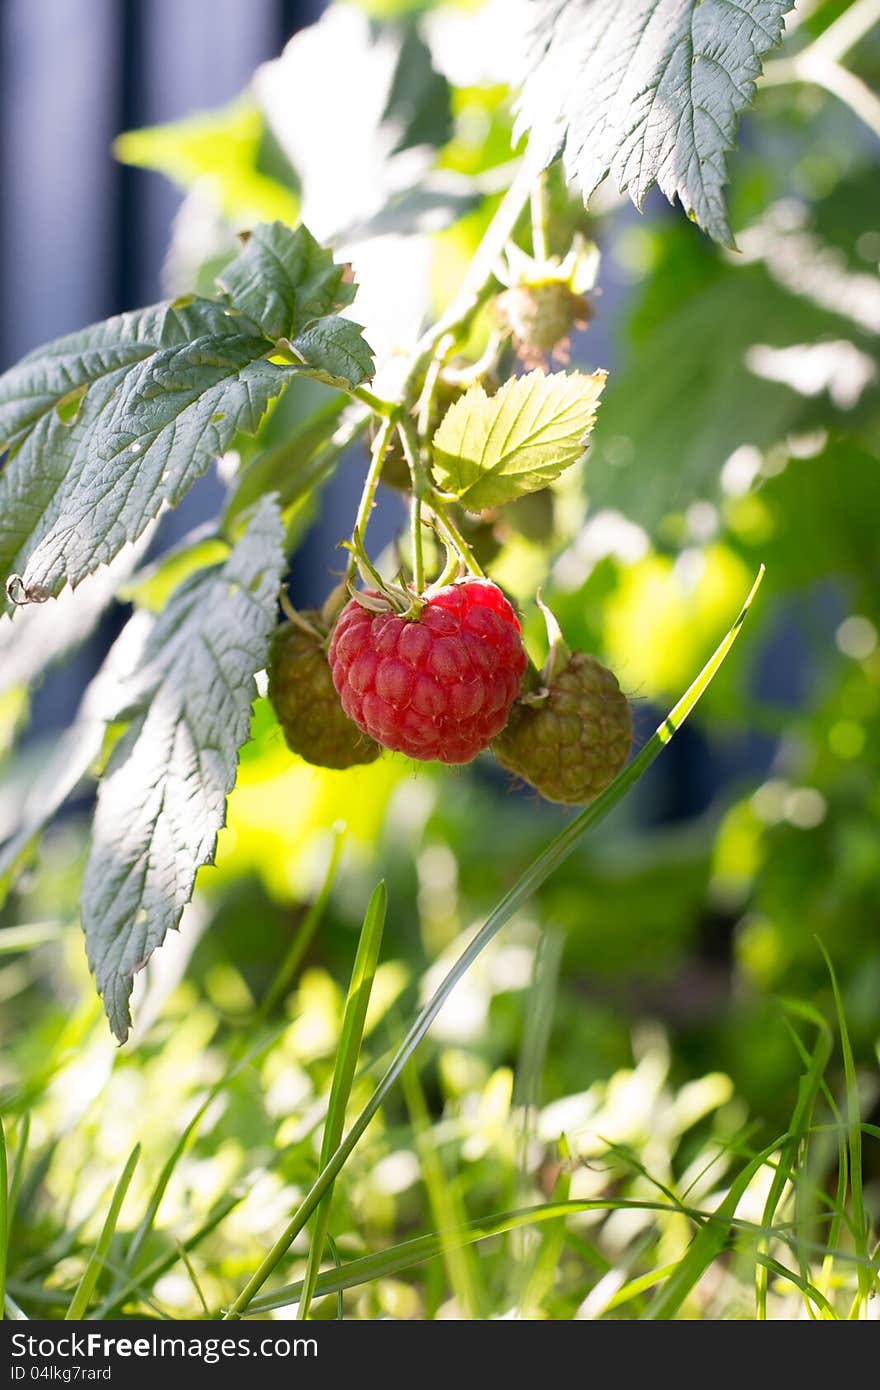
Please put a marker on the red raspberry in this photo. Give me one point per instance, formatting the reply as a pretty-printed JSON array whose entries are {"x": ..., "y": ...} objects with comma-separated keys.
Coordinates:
[{"x": 439, "y": 685}]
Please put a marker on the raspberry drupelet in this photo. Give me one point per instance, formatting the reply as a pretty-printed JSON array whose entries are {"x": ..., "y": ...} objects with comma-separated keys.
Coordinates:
[{"x": 439, "y": 685}]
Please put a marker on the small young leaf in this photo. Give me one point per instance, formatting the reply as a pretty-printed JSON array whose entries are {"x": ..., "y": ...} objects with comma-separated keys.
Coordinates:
[
  {"x": 163, "y": 797},
  {"x": 650, "y": 93},
  {"x": 334, "y": 351},
  {"x": 489, "y": 450},
  {"x": 282, "y": 279}
]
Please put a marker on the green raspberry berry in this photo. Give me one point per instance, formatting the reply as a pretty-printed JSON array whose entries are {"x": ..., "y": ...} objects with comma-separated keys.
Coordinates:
[
  {"x": 309, "y": 711},
  {"x": 571, "y": 742},
  {"x": 541, "y": 318}
]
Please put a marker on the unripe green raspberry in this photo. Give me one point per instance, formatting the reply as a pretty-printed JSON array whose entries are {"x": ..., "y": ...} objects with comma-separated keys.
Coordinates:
[
  {"x": 541, "y": 317},
  {"x": 570, "y": 744},
  {"x": 309, "y": 711}
]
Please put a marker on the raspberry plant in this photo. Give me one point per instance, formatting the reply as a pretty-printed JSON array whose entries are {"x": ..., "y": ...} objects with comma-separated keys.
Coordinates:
[{"x": 417, "y": 649}]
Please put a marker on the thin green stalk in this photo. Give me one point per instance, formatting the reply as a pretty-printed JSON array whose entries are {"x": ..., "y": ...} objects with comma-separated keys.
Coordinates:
[
  {"x": 5, "y": 1222},
  {"x": 354, "y": 1018},
  {"x": 371, "y": 483},
  {"x": 410, "y": 446},
  {"x": 475, "y": 283},
  {"x": 538, "y": 872},
  {"x": 538, "y": 201},
  {"x": 80, "y": 1301},
  {"x": 800, "y": 1124},
  {"x": 447, "y": 526},
  {"x": 853, "y": 1119},
  {"x": 444, "y": 1200},
  {"x": 379, "y": 407}
]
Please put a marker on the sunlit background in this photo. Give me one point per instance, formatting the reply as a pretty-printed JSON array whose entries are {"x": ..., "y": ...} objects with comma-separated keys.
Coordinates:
[{"x": 642, "y": 1027}]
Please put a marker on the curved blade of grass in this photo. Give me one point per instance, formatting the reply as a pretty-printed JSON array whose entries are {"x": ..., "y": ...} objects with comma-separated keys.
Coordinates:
[
  {"x": 28, "y": 936},
  {"x": 540, "y": 1277},
  {"x": 148, "y": 1276},
  {"x": 854, "y": 1126},
  {"x": 385, "y": 1264},
  {"x": 808, "y": 1089},
  {"x": 5, "y": 1222},
  {"x": 80, "y": 1301},
  {"x": 444, "y": 1200},
  {"x": 537, "y": 873},
  {"x": 706, "y": 1245},
  {"x": 353, "y": 1019}
]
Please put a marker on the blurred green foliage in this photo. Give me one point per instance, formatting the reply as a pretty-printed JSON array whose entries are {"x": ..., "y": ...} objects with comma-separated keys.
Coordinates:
[{"x": 741, "y": 424}]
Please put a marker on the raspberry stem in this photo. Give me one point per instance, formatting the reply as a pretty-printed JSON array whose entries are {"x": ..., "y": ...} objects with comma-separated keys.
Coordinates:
[
  {"x": 410, "y": 445},
  {"x": 368, "y": 496},
  {"x": 538, "y": 204}
]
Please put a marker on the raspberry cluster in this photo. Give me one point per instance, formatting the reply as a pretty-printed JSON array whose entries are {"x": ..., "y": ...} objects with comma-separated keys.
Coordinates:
[{"x": 438, "y": 685}]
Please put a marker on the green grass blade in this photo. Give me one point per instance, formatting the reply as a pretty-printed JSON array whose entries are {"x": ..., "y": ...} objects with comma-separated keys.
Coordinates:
[
  {"x": 80, "y": 1301},
  {"x": 397, "y": 1258},
  {"x": 808, "y": 1090},
  {"x": 28, "y": 936},
  {"x": 5, "y": 1222},
  {"x": 538, "y": 872},
  {"x": 539, "y": 1280},
  {"x": 161, "y": 1265},
  {"x": 853, "y": 1119},
  {"x": 801, "y": 1282},
  {"x": 353, "y": 1020},
  {"x": 706, "y": 1245},
  {"x": 10, "y": 1187},
  {"x": 444, "y": 1201},
  {"x": 537, "y": 1025}
]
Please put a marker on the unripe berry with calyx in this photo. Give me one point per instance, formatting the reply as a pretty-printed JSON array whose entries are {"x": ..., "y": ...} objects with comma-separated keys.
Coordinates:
[
  {"x": 571, "y": 734},
  {"x": 301, "y": 690}
]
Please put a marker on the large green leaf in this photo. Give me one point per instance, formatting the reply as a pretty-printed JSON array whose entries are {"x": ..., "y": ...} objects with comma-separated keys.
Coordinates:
[
  {"x": 106, "y": 426},
  {"x": 649, "y": 92},
  {"x": 165, "y": 391},
  {"x": 489, "y": 450},
  {"x": 163, "y": 797}
]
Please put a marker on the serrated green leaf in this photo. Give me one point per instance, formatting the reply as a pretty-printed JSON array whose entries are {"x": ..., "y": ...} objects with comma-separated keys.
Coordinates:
[
  {"x": 334, "y": 350},
  {"x": 649, "y": 93},
  {"x": 283, "y": 279},
  {"x": 489, "y": 450},
  {"x": 105, "y": 427},
  {"x": 163, "y": 797},
  {"x": 167, "y": 388}
]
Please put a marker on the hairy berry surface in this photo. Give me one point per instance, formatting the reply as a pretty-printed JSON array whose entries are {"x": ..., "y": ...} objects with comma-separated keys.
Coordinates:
[
  {"x": 573, "y": 743},
  {"x": 437, "y": 686},
  {"x": 301, "y": 690}
]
